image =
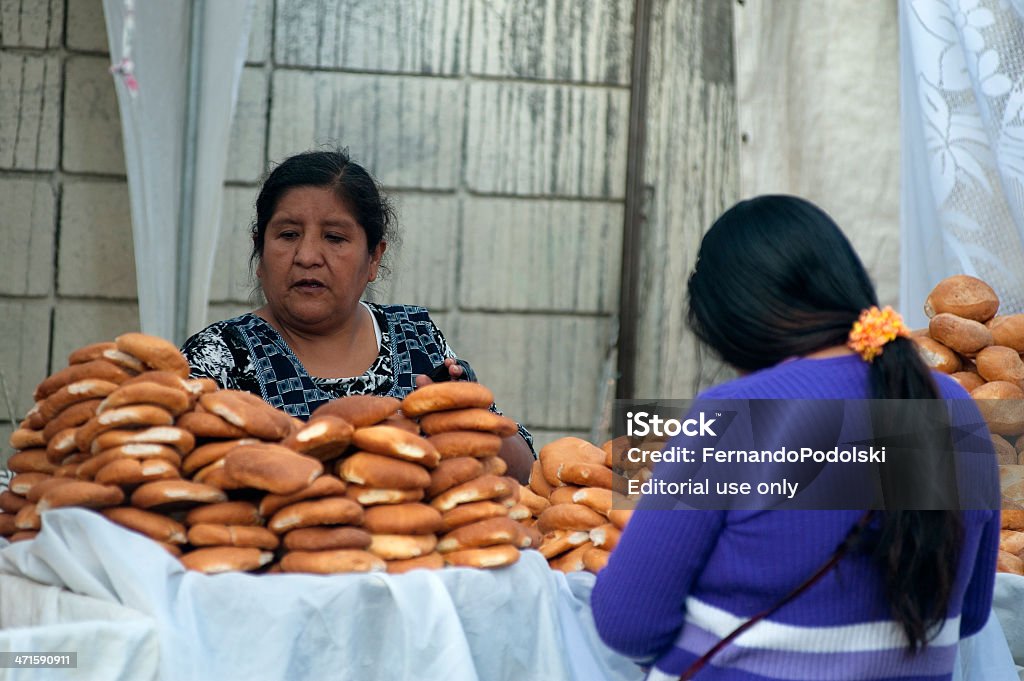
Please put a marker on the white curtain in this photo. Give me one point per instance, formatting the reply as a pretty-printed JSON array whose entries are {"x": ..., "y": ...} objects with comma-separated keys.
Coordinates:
[
  {"x": 962, "y": 122},
  {"x": 150, "y": 51}
]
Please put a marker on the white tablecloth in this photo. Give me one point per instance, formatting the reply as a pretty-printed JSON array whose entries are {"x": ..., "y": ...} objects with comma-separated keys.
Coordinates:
[{"x": 131, "y": 611}]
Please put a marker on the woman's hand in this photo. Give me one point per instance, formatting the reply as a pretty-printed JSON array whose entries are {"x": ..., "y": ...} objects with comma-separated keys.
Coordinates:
[{"x": 455, "y": 373}]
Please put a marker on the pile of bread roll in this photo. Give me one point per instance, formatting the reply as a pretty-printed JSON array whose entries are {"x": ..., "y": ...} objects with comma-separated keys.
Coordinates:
[
  {"x": 226, "y": 482},
  {"x": 570, "y": 501}
]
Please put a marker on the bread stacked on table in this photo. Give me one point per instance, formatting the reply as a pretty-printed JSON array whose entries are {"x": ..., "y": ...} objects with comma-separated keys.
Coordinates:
[
  {"x": 467, "y": 486},
  {"x": 570, "y": 500},
  {"x": 1011, "y": 543},
  {"x": 981, "y": 350},
  {"x": 226, "y": 482}
]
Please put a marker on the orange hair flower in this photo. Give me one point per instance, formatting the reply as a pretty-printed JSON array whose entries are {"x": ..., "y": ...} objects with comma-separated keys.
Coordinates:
[{"x": 874, "y": 329}]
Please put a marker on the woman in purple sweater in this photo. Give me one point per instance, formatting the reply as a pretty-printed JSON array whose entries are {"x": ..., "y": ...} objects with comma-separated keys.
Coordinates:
[{"x": 776, "y": 292}]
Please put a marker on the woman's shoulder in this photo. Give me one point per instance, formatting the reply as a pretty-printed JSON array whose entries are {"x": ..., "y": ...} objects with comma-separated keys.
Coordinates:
[
  {"x": 399, "y": 310},
  {"x": 843, "y": 377}
]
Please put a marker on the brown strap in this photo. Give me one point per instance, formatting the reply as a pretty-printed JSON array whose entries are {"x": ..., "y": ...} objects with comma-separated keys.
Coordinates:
[{"x": 841, "y": 550}]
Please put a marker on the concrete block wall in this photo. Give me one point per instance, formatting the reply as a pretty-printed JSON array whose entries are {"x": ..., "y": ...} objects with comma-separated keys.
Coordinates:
[{"x": 499, "y": 127}]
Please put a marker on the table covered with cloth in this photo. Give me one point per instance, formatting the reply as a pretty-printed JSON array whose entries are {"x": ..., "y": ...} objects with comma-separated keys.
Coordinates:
[{"x": 132, "y": 612}]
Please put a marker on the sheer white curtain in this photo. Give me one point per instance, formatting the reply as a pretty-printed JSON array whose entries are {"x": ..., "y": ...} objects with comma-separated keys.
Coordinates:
[
  {"x": 149, "y": 47},
  {"x": 962, "y": 123}
]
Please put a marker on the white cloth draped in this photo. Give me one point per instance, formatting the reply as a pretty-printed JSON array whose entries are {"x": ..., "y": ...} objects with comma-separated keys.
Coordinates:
[
  {"x": 153, "y": 121},
  {"x": 962, "y": 122}
]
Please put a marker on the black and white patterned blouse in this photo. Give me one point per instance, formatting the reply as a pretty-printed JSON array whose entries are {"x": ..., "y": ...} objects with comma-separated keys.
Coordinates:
[{"x": 247, "y": 353}]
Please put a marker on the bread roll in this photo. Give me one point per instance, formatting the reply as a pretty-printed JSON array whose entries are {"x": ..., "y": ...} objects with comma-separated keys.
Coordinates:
[
  {"x": 216, "y": 475},
  {"x": 204, "y": 455},
  {"x": 479, "y": 534},
  {"x": 1008, "y": 330},
  {"x": 88, "y": 353},
  {"x": 326, "y": 511},
  {"x": 1000, "y": 363},
  {"x": 431, "y": 561},
  {"x": 129, "y": 362},
  {"x": 12, "y": 503},
  {"x": 457, "y": 443},
  {"x": 325, "y": 538},
  {"x": 372, "y": 496},
  {"x": 209, "y": 534},
  {"x": 605, "y": 536},
  {"x": 225, "y": 513},
  {"x": 620, "y": 517},
  {"x": 396, "y": 443},
  {"x": 130, "y": 472},
  {"x": 73, "y": 393},
  {"x": 28, "y": 518},
  {"x": 563, "y": 495},
  {"x": 401, "y": 546},
  {"x": 41, "y": 488},
  {"x": 937, "y": 356},
  {"x": 98, "y": 369},
  {"x": 1009, "y": 563},
  {"x": 142, "y": 451},
  {"x": 452, "y": 472},
  {"x": 483, "y": 420},
  {"x": 153, "y": 525},
  {"x": 1012, "y": 520},
  {"x": 481, "y": 489},
  {"x": 965, "y": 336},
  {"x": 968, "y": 380},
  {"x": 375, "y": 470},
  {"x": 402, "y": 519},
  {"x": 271, "y": 468},
  {"x": 359, "y": 410},
  {"x": 494, "y": 465},
  {"x": 1005, "y": 453},
  {"x": 172, "y": 436},
  {"x": 248, "y": 412},
  {"x": 72, "y": 417},
  {"x": 569, "y": 517},
  {"x": 595, "y": 559},
  {"x": 585, "y": 474},
  {"x": 538, "y": 483},
  {"x": 1002, "y": 406},
  {"x": 402, "y": 423},
  {"x": 22, "y": 483},
  {"x": 218, "y": 559},
  {"x": 1011, "y": 541},
  {"x": 489, "y": 557},
  {"x": 7, "y": 526},
  {"x": 135, "y": 416},
  {"x": 26, "y": 438},
  {"x": 80, "y": 493},
  {"x": 595, "y": 498},
  {"x": 174, "y": 400},
  {"x": 324, "y": 486},
  {"x": 166, "y": 495},
  {"x": 202, "y": 424},
  {"x": 331, "y": 562},
  {"x": 572, "y": 561},
  {"x": 155, "y": 352},
  {"x": 567, "y": 450},
  {"x": 465, "y": 514},
  {"x": 322, "y": 438},
  {"x": 61, "y": 445},
  {"x": 962, "y": 295},
  {"x": 446, "y": 395}
]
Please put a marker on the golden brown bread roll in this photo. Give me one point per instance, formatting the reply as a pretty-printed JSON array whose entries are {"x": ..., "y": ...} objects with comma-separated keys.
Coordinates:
[
  {"x": 937, "y": 356},
  {"x": 180, "y": 439},
  {"x": 41, "y": 488},
  {"x": 572, "y": 561},
  {"x": 73, "y": 393},
  {"x": 80, "y": 493},
  {"x": 131, "y": 472},
  {"x": 154, "y": 525},
  {"x": 27, "y": 438},
  {"x": 533, "y": 501},
  {"x": 452, "y": 472},
  {"x": 484, "y": 488},
  {"x": 130, "y": 363},
  {"x": 135, "y": 416},
  {"x": 1002, "y": 406},
  {"x": 325, "y": 511},
  {"x": 1011, "y": 541},
  {"x": 204, "y": 424},
  {"x": 12, "y": 503},
  {"x": 376, "y": 470},
  {"x": 605, "y": 536},
  {"x": 483, "y": 420},
  {"x": 595, "y": 559},
  {"x": 248, "y": 412},
  {"x": 569, "y": 517},
  {"x": 324, "y": 486},
  {"x": 489, "y": 557},
  {"x": 563, "y": 495},
  {"x": 215, "y": 475},
  {"x": 494, "y": 465},
  {"x": 209, "y": 534},
  {"x": 397, "y": 443},
  {"x": 1012, "y": 520},
  {"x": 218, "y": 559},
  {"x": 155, "y": 352},
  {"x": 456, "y": 443},
  {"x": 519, "y": 512},
  {"x": 225, "y": 513},
  {"x": 272, "y": 468},
  {"x": 168, "y": 379},
  {"x": 1009, "y": 563},
  {"x": 620, "y": 517},
  {"x": 446, "y": 395},
  {"x": 431, "y": 561},
  {"x": 174, "y": 400},
  {"x": 402, "y": 423},
  {"x": 538, "y": 483},
  {"x": 325, "y": 538},
  {"x": 143, "y": 451},
  {"x": 62, "y": 445},
  {"x": 402, "y": 519},
  {"x": 401, "y": 546},
  {"x": 567, "y": 450},
  {"x": 1008, "y": 330},
  {"x": 28, "y": 518},
  {"x": 595, "y": 498},
  {"x": 75, "y": 415},
  {"x": 332, "y": 562},
  {"x": 473, "y": 512},
  {"x": 585, "y": 474},
  {"x": 372, "y": 496},
  {"x": 968, "y": 380},
  {"x": 165, "y": 495},
  {"x": 203, "y": 455},
  {"x": 965, "y": 336},
  {"x": 88, "y": 353},
  {"x": 962, "y": 295},
  {"x": 323, "y": 438},
  {"x": 359, "y": 410},
  {"x": 22, "y": 483},
  {"x": 479, "y": 534},
  {"x": 1000, "y": 363}
]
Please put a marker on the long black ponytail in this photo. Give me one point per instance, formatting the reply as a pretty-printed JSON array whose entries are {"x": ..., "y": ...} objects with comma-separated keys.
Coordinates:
[{"x": 776, "y": 278}]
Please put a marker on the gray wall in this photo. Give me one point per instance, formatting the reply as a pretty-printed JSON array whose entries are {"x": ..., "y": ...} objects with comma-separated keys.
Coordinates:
[{"x": 499, "y": 126}]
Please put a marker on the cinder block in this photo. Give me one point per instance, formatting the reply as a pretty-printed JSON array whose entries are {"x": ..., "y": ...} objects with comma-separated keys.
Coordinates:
[
  {"x": 249, "y": 128},
  {"x": 29, "y": 111},
  {"x": 551, "y": 140},
  {"x": 406, "y": 130},
  {"x": 97, "y": 256},
  {"x": 545, "y": 370},
  {"x": 92, "y": 124},
  {"x": 80, "y": 322},
  {"x": 406, "y": 36},
  {"x": 24, "y": 343},
  {"x": 534, "y": 254},
  {"x": 259, "y": 32},
  {"x": 231, "y": 281},
  {"x": 31, "y": 23},
  {"x": 423, "y": 264},
  {"x": 26, "y": 232},
  {"x": 87, "y": 29},
  {"x": 564, "y": 40}
]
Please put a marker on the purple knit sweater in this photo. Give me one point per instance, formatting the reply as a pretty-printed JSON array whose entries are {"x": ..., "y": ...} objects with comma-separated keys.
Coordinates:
[{"x": 679, "y": 581}]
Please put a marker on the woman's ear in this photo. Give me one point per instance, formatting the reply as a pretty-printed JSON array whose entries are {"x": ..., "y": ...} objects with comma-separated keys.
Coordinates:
[{"x": 375, "y": 256}]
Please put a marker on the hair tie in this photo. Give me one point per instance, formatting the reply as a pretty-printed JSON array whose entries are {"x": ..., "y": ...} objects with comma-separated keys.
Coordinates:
[{"x": 874, "y": 329}]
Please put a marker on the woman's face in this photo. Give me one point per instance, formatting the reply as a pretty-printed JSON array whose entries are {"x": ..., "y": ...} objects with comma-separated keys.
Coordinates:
[{"x": 315, "y": 263}]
